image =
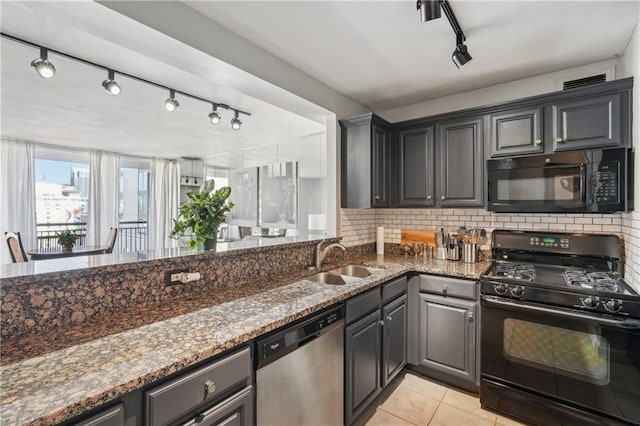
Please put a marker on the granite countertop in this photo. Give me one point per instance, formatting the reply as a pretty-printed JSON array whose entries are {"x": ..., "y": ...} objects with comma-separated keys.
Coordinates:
[{"x": 93, "y": 367}]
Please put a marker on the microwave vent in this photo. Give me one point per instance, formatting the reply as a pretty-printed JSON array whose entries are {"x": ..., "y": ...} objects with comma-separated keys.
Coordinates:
[{"x": 586, "y": 81}]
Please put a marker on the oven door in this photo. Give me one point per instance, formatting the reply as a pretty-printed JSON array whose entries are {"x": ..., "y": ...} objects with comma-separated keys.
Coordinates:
[
  {"x": 589, "y": 360},
  {"x": 539, "y": 189}
]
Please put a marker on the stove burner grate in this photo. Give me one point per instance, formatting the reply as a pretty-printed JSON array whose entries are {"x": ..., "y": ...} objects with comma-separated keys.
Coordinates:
[
  {"x": 516, "y": 271},
  {"x": 593, "y": 280}
]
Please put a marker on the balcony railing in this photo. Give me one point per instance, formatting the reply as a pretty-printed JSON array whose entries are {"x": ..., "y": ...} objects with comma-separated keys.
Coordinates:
[{"x": 132, "y": 235}]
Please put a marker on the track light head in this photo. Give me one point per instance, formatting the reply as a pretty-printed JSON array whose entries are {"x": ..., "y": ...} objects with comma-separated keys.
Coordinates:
[
  {"x": 171, "y": 104},
  {"x": 43, "y": 67},
  {"x": 235, "y": 121},
  {"x": 460, "y": 55},
  {"x": 214, "y": 116},
  {"x": 110, "y": 84},
  {"x": 429, "y": 9}
]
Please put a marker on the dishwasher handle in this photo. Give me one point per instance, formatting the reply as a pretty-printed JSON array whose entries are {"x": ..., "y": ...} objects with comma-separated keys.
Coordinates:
[{"x": 284, "y": 341}]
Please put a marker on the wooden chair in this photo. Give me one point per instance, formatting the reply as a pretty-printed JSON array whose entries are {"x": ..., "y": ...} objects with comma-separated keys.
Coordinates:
[
  {"x": 16, "y": 249},
  {"x": 111, "y": 241}
]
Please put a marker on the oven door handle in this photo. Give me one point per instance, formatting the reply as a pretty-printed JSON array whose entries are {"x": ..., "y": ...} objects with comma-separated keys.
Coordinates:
[
  {"x": 584, "y": 185},
  {"x": 629, "y": 324}
]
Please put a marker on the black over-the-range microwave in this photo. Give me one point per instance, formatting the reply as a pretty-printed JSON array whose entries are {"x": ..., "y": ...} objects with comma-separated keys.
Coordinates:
[{"x": 594, "y": 181}]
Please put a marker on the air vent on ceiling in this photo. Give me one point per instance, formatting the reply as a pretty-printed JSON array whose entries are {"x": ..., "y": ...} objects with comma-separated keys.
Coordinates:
[{"x": 587, "y": 81}]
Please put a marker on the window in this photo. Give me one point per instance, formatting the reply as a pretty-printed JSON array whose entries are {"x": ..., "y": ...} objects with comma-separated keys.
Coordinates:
[
  {"x": 62, "y": 194},
  {"x": 133, "y": 204}
]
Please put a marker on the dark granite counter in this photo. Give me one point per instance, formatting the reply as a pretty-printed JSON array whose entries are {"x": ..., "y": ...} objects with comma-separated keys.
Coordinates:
[{"x": 94, "y": 363}]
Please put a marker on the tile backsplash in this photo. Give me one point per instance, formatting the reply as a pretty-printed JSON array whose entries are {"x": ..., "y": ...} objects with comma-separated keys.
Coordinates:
[{"x": 359, "y": 226}]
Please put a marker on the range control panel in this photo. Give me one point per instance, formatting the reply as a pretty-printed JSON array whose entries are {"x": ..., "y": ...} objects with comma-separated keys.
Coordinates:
[
  {"x": 605, "y": 183},
  {"x": 556, "y": 242}
]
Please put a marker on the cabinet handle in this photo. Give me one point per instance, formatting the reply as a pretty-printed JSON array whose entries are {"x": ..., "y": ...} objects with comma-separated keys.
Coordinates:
[
  {"x": 443, "y": 198},
  {"x": 444, "y": 290},
  {"x": 537, "y": 142},
  {"x": 209, "y": 388},
  {"x": 389, "y": 318},
  {"x": 428, "y": 197},
  {"x": 377, "y": 197},
  {"x": 560, "y": 140},
  {"x": 381, "y": 323},
  {"x": 471, "y": 317}
]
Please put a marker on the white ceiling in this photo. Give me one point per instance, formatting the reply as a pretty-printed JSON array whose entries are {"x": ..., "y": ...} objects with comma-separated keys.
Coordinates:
[
  {"x": 381, "y": 55},
  {"x": 73, "y": 110}
]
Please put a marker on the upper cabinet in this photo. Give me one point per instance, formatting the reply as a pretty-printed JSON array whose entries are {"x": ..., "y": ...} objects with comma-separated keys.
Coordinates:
[
  {"x": 461, "y": 162},
  {"x": 365, "y": 162},
  {"x": 517, "y": 131},
  {"x": 584, "y": 123},
  {"x": 439, "y": 161},
  {"x": 416, "y": 167}
]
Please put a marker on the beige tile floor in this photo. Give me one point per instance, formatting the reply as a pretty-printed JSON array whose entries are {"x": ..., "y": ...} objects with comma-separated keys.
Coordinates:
[{"x": 418, "y": 401}]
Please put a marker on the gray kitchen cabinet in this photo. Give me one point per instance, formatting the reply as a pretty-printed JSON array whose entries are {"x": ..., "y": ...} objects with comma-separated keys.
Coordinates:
[
  {"x": 517, "y": 131},
  {"x": 375, "y": 343},
  {"x": 416, "y": 167},
  {"x": 394, "y": 335},
  {"x": 365, "y": 162},
  {"x": 113, "y": 416},
  {"x": 590, "y": 122},
  {"x": 461, "y": 163},
  {"x": 447, "y": 336},
  {"x": 362, "y": 364}
]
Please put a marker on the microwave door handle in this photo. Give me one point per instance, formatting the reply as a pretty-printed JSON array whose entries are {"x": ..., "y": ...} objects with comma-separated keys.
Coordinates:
[
  {"x": 583, "y": 184},
  {"x": 628, "y": 324}
]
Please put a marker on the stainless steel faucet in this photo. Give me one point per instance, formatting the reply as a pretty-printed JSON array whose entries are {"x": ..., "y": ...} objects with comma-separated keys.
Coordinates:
[{"x": 321, "y": 254}]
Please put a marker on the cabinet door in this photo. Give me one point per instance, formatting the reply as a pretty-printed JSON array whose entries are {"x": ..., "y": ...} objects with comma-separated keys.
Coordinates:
[
  {"x": 447, "y": 335},
  {"x": 416, "y": 167},
  {"x": 394, "y": 335},
  {"x": 587, "y": 123},
  {"x": 362, "y": 364},
  {"x": 516, "y": 132},
  {"x": 461, "y": 163},
  {"x": 380, "y": 167}
]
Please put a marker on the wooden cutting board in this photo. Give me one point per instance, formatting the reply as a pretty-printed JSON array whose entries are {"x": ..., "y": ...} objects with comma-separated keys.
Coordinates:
[{"x": 411, "y": 236}]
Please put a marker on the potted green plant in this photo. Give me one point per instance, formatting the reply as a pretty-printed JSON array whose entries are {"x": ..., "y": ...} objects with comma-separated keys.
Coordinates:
[
  {"x": 67, "y": 239},
  {"x": 202, "y": 215}
]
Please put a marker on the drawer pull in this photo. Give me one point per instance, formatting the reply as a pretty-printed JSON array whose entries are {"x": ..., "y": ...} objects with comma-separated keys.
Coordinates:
[
  {"x": 199, "y": 418},
  {"x": 444, "y": 290},
  {"x": 209, "y": 388}
]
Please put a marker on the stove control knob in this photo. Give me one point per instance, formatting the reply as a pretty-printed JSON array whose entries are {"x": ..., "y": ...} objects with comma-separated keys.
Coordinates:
[
  {"x": 613, "y": 305},
  {"x": 590, "y": 302},
  {"x": 501, "y": 288},
  {"x": 517, "y": 291}
]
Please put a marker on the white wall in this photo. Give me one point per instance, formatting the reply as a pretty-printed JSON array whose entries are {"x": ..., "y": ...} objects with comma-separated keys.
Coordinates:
[{"x": 509, "y": 91}]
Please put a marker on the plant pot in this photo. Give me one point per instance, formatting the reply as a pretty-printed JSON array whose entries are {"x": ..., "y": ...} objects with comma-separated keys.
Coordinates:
[
  {"x": 67, "y": 248},
  {"x": 210, "y": 244}
]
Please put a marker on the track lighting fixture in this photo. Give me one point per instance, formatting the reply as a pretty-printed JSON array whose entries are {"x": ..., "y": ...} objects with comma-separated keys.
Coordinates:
[
  {"x": 214, "y": 116},
  {"x": 235, "y": 121},
  {"x": 460, "y": 55},
  {"x": 171, "y": 104},
  {"x": 43, "y": 67},
  {"x": 430, "y": 9},
  {"x": 110, "y": 84}
]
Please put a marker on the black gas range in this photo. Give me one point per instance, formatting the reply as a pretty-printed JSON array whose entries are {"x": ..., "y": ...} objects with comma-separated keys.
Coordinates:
[{"x": 560, "y": 330}]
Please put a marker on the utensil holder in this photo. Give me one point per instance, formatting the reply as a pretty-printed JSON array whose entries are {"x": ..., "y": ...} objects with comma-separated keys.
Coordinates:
[{"x": 469, "y": 252}]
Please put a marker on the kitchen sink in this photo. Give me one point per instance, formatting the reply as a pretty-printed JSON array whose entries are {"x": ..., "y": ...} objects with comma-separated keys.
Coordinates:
[
  {"x": 332, "y": 279},
  {"x": 354, "y": 271}
]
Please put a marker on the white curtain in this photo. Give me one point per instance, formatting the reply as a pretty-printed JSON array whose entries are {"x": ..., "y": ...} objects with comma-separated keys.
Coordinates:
[
  {"x": 104, "y": 177},
  {"x": 164, "y": 190},
  {"x": 17, "y": 194}
]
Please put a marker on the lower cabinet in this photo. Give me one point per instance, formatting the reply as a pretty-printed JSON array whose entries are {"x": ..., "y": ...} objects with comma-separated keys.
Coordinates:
[
  {"x": 375, "y": 343},
  {"x": 444, "y": 329},
  {"x": 448, "y": 335}
]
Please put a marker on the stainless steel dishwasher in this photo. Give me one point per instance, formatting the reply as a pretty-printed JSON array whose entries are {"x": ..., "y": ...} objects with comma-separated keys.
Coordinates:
[{"x": 300, "y": 372}]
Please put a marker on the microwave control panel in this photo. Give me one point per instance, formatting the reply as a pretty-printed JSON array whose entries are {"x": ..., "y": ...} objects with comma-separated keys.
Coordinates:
[{"x": 605, "y": 183}]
